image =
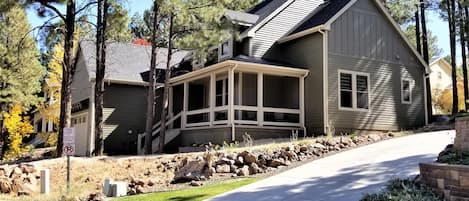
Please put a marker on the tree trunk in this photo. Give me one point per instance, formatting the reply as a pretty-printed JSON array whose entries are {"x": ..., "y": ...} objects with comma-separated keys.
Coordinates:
[
  {"x": 68, "y": 71},
  {"x": 452, "y": 28},
  {"x": 166, "y": 85},
  {"x": 151, "y": 88},
  {"x": 100, "y": 71},
  {"x": 426, "y": 58},
  {"x": 463, "y": 53},
  {"x": 417, "y": 30}
]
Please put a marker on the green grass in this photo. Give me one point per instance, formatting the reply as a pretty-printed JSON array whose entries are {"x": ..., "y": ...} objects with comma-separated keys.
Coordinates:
[{"x": 193, "y": 194}]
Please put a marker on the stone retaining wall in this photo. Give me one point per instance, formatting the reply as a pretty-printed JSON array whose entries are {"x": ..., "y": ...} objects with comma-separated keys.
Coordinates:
[
  {"x": 461, "y": 142},
  {"x": 451, "y": 181}
]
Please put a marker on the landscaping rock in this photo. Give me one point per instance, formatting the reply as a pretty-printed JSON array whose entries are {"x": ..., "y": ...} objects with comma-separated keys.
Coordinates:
[
  {"x": 196, "y": 183},
  {"x": 239, "y": 161},
  {"x": 254, "y": 169},
  {"x": 139, "y": 189},
  {"x": 27, "y": 168},
  {"x": 224, "y": 168},
  {"x": 4, "y": 169},
  {"x": 303, "y": 148},
  {"x": 248, "y": 157},
  {"x": 244, "y": 171},
  {"x": 193, "y": 170},
  {"x": 276, "y": 162},
  {"x": 27, "y": 189},
  {"x": 16, "y": 172},
  {"x": 5, "y": 185},
  {"x": 374, "y": 137},
  {"x": 95, "y": 197},
  {"x": 319, "y": 146}
]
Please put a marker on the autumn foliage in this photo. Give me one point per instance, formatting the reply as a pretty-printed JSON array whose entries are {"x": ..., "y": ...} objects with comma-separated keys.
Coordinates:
[
  {"x": 443, "y": 99},
  {"x": 18, "y": 127}
]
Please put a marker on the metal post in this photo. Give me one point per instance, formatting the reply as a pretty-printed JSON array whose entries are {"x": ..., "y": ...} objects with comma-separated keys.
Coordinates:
[{"x": 68, "y": 174}]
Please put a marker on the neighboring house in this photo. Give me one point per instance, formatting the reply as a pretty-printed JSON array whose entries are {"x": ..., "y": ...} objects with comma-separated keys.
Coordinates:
[
  {"x": 298, "y": 67},
  {"x": 125, "y": 95},
  {"x": 42, "y": 124},
  {"x": 440, "y": 78}
]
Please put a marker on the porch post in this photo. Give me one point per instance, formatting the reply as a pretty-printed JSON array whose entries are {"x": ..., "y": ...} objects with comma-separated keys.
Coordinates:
[
  {"x": 170, "y": 105},
  {"x": 185, "y": 105},
  {"x": 302, "y": 100},
  {"x": 260, "y": 99},
  {"x": 212, "y": 97},
  {"x": 231, "y": 96}
]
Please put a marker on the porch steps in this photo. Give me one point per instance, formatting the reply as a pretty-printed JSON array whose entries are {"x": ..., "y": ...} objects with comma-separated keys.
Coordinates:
[{"x": 170, "y": 135}]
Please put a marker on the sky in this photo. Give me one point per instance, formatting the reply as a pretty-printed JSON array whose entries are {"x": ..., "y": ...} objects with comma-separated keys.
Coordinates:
[{"x": 434, "y": 23}]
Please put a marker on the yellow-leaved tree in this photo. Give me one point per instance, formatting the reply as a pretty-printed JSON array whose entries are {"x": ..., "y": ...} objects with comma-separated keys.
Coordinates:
[
  {"x": 443, "y": 99},
  {"x": 18, "y": 127}
]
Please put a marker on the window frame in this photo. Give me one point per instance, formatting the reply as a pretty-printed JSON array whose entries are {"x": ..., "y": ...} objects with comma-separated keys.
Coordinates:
[
  {"x": 402, "y": 91},
  {"x": 354, "y": 91},
  {"x": 229, "y": 54}
]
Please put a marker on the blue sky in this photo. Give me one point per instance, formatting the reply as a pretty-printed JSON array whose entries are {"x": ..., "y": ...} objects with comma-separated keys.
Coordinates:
[{"x": 435, "y": 24}]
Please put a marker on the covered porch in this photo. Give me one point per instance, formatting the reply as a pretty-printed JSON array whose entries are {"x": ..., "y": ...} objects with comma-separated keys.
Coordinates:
[{"x": 239, "y": 94}]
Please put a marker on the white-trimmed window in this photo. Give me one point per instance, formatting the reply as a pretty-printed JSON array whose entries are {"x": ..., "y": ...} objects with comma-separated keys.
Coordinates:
[
  {"x": 354, "y": 90},
  {"x": 406, "y": 91}
]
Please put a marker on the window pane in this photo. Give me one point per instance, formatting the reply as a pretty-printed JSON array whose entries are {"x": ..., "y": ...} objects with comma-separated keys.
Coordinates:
[
  {"x": 225, "y": 48},
  {"x": 281, "y": 117},
  {"x": 406, "y": 95},
  {"x": 346, "y": 99},
  {"x": 405, "y": 85},
  {"x": 246, "y": 115},
  {"x": 222, "y": 115},
  {"x": 362, "y": 100},
  {"x": 362, "y": 83},
  {"x": 219, "y": 93},
  {"x": 345, "y": 81}
]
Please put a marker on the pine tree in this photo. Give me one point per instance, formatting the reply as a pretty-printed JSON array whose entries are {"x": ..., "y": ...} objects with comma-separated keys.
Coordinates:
[
  {"x": 20, "y": 70},
  {"x": 117, "y": 23}
]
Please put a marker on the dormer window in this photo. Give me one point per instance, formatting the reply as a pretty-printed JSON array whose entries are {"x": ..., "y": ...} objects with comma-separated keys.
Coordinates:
[{"x": 225, "y": 51}]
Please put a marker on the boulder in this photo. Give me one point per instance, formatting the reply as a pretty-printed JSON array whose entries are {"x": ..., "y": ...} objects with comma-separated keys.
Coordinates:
[
  {"x": 224, "y": 168},
  {"x": 196, "y": 183},
  {"x": 4, "y": 169},
  {"x": 225, "y": 161},
  {"x": 248, "y": 157},
  {"x": 27, "y": 189},
  {"x": 95, "y": 197},
  {"x": 152, "y": 182},
  {"x": 27, "y": 168},
  {"x": 16, "y": 172},
  {"x": 254, "y": 169},
  {"x": 303, "y": 148},
  {"x": 239, "y": 161},
  {"x": 5, "y": 185},
  {"x": 244, "y": 171},
  {"x": 138, "y": 182},
  {"x": 276, "y": 162},
  {"x": 192, "y": 170},
  {"x": 233, "y": 168},
  {"x": 319, "y": 146},
  {"x": 131, "y": 191},
  {"x": 139, "y": 189},
  {"x": 374, "y": 137},
  {"x": 290, "y": 155}
]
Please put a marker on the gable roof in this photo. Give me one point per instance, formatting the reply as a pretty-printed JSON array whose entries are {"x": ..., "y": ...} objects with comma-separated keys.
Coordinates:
[
  {"x": 336, "y": 9},
  {"x": 241, "y": 17},
  {"x": 126, "y": 61},
  {"x": 265, "y": 11}
]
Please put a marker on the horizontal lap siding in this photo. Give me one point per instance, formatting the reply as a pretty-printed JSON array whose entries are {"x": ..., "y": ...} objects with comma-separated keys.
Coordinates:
[
  {"x": 363, "y": 40},
  {"x": 281, "y": 24}
]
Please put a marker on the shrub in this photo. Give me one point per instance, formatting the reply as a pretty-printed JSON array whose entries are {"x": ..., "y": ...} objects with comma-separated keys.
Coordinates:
[
  {"x": 50, "y": 139},
  {"x": 18, "y": 127},
  {"x": 403, "y": 190},
  {"x": 454, "y": 157}
]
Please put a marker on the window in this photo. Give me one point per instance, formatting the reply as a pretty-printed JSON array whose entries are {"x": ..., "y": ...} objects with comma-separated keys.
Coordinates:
[
  {"x": 354, "y": 90},
  {"x": 222, "y": 92},
  {"x": 439, "y": 75},
  {"x": 406, "y": 91},
  {"x": 225, "y": 50}
]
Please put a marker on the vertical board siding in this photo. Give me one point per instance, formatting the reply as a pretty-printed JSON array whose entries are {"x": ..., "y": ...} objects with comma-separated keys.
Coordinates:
[
  {"x": 281, "y": 24},
  {"x": 363, "y": 40}
]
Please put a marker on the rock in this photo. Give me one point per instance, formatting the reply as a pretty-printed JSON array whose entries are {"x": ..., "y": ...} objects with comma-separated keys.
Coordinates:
[
  {"x": 233, "y": 168},
  {"x": 151, "y": 182},
  {"x": 303, "y": 148},
  {"x": 27, "y": 168},
  {"x": 374, "y": 137},
  {"x": 290, "y": 155},
  {"x": 138, "y": 182},
  {"x": 131, "y": 191},
  {"x": 95, "y": 197},
  {"x": 209, "y": 172},
  {"x": 4, "y": 169},
  {"x": 5, "y": 185},
  {"x": 225, "y": 168},
  {"x": 192, "y": 170},
  {"x": 16, "y": 185},
  {"x": 196, "y": 183},
  {"x": 332, "y": 141},
  {"x": 239, "y": 161},
  {"x": 27, "y": 189},
  {"x": 139, "y": 189},
  {"x": 276, "y": 162},
  {"x": 16, "y": 172},
  {"x": 248, "y": 157},
  {"x": 244, "y": 171},
  {"x": 225, "y": 161},
  {"x": 319, "y": 146},
  {"x": 254, "y": 169}
]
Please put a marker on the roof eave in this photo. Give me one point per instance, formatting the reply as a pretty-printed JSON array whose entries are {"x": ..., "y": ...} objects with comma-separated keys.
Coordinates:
[{"x": 306, "y": 32}]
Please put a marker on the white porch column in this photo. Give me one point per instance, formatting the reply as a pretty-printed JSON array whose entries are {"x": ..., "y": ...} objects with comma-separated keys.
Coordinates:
[
  {"x": 260, "y": 98},
  {"x": 231, "y": 115},
  {"x": 185, "y": 105},
  {"x": 302, "y": 100},
  {"x": 212, "y": 97},
  {"x": 170, "y": 105}
]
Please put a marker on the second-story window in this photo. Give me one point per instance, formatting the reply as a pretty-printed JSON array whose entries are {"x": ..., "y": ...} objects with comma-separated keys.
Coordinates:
[{"x": 225, "y": 51}]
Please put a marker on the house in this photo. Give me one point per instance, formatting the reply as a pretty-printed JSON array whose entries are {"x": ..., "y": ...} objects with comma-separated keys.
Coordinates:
[
  {"x": 305, "y": 67},
  {"x": 41, "y": 123},
  {"x": 125, "y": 96},
  {"x": 440, "y": 78}
]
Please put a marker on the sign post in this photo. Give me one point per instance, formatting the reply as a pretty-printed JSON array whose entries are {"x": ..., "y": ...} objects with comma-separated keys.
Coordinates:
[{"x": 69, "y": 149}]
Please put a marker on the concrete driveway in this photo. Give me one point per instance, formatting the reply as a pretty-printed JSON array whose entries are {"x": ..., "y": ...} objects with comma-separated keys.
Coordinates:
[{"x": 348, "y": 175}]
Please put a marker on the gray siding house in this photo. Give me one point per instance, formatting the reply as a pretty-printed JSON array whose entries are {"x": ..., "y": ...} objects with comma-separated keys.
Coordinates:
[{"x": 297, "y": 67}]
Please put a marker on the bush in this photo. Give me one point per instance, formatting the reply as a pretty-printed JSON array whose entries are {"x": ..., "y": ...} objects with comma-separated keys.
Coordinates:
[
  {"x": 403, "y": 190},
  {"x": 18, "y": 127},
  {"x": 454, "y": 157}
]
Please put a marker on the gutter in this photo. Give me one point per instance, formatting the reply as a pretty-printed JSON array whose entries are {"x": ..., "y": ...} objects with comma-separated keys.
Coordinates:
[{"x": 319, "y": 28}]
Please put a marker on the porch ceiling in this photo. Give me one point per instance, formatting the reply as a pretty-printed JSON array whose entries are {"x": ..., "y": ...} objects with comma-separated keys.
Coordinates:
[{"x": 267, "y": 69}]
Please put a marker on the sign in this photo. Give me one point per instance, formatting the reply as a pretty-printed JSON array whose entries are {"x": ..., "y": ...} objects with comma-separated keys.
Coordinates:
[{"x": 69, "y": 141}]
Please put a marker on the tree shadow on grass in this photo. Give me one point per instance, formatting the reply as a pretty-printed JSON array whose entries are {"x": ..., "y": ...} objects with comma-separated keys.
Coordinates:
[
  {"x": 187, "y": 198},
  {"x": 349, "y": 184}
]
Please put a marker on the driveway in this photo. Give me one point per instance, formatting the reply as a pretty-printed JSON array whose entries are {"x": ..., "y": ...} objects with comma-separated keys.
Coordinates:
[{"x": 348, "y": 175}]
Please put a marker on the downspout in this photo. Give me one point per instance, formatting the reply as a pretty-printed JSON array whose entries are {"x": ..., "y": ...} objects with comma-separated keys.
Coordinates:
[
  {"x": 325, "y": 68},
  {"x": 425, "y": 76},
  {"x": 304, "y": 127},
  {"x": 233, "y": 129}
]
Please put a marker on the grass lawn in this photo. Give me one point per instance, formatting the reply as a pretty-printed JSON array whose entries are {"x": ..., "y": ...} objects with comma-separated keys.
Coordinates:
[{"x": 193, "y": 194}]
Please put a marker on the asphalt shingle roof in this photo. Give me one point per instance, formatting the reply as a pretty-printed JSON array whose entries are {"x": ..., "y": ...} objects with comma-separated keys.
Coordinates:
[
  {"x": 237, "y": 16},
  {"x": 126, "y": 61}
]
